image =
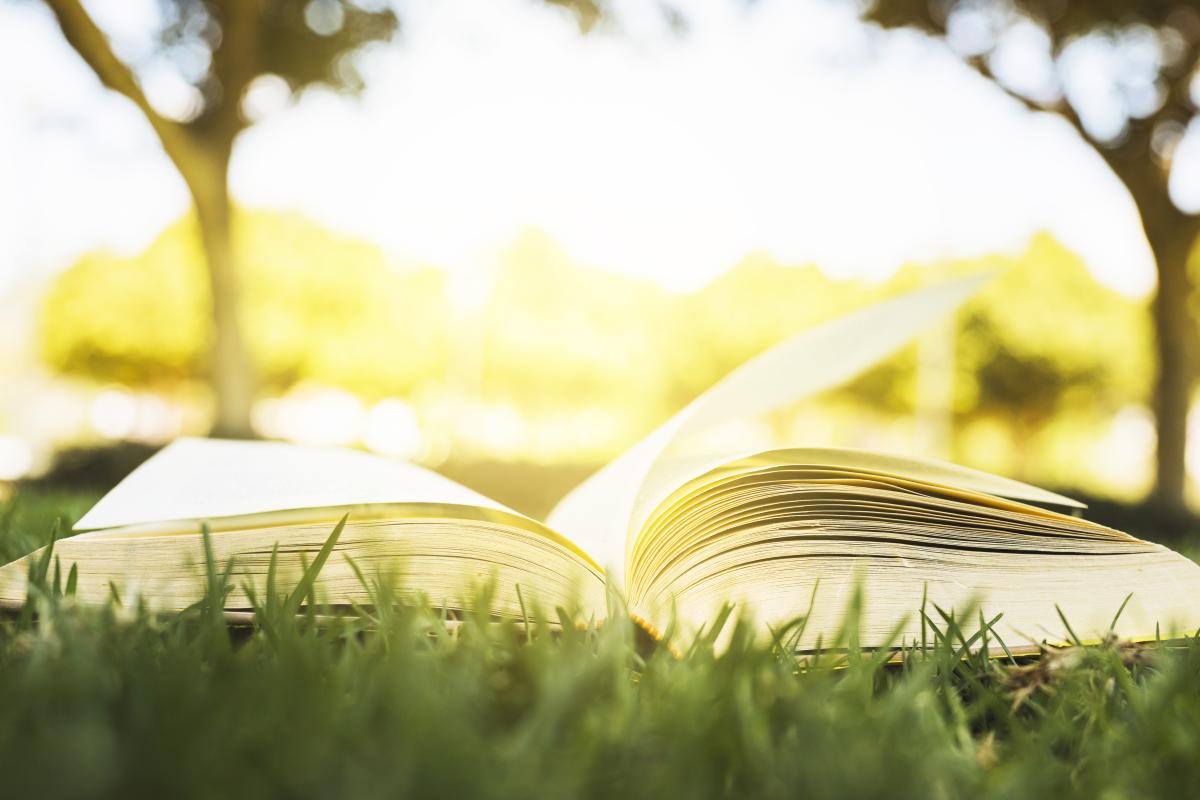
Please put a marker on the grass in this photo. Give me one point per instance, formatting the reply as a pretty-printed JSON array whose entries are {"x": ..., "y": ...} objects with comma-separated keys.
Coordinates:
[{"x": 112, "y": 702}]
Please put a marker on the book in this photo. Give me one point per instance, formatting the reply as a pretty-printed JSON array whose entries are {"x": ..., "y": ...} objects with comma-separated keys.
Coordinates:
[{"x": 680, "y": 526}]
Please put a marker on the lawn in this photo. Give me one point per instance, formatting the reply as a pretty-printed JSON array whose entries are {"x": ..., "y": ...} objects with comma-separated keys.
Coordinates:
[{"x": 115, "y": 703}]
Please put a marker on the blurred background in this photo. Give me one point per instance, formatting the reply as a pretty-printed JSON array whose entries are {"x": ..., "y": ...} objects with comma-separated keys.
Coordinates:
[{"x": 506, "y": 238}]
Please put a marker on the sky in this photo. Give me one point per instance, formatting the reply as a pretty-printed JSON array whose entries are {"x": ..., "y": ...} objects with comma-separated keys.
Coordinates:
[{"x": 792, "y": 130}]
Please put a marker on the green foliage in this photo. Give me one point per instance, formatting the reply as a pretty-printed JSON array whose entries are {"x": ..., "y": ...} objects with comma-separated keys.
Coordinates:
[
  {"x": 553, "y": 333},
  {"x": 1044, "y": 355},
  {"x": 318, "y": 306},
  {"x": 140, "y": 320},
  {"x": 388, "y": 701},
  {"x": 305, "y": 42},
  {"x": 332, "y": 309},
  {"x": 743, "y": 312},
  {"x": 1045, "y": 359},
  {"x": 1043, "y": 338}
]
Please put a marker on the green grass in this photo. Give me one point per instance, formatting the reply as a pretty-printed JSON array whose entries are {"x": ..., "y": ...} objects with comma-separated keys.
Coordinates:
[{"x": 112, "y": 702}]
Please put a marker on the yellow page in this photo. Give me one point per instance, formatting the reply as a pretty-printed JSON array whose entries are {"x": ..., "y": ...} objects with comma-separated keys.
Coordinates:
[
  {"x": 917, "y": 473},
  {"x": 603, "y": 513}
]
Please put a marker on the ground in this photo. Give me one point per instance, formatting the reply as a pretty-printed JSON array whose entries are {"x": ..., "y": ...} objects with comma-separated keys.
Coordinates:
[{"x": 114, "y": 703}]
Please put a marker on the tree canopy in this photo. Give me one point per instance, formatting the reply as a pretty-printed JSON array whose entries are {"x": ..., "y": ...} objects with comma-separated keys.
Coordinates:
[
  {"x": 1123, "y": 74},
  {"x": 220, "y": 47}
]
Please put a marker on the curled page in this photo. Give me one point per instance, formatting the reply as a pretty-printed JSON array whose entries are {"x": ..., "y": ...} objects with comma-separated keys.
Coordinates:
[{"x": 603, "y": 514}]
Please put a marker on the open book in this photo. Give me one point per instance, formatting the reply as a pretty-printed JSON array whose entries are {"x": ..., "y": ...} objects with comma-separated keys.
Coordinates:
[{"x": 680, "y": 528}]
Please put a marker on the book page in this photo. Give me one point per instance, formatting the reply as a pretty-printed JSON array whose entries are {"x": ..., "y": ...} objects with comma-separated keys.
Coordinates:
[
  {"x": 677, "y": 471},
  {"x": 927, "y": 470},
  {"x": 603, "y": 513},
  {"x": 198, "y": 479}
]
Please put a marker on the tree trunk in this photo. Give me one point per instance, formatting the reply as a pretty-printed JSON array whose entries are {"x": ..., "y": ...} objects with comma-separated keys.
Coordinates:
[
  {"x": 231, "y": 370},
  {"x": 1171, "y": 236}
]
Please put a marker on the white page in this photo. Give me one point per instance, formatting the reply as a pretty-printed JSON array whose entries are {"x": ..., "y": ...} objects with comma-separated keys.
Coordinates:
[
  {"x": 199, "y": 479},
  {"x": 602, "y": 514}
]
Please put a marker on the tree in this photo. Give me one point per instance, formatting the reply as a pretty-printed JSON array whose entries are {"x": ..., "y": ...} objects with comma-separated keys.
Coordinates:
[
  {"x": 1150, "y": 103},
  {"x": 235, "y": 41}
]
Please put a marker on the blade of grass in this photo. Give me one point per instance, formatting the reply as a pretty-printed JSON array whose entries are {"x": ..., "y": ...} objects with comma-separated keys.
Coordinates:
[
  {"x": 1070, "y": 631},
  {"x": 1112, "y": 626},
  {"x": 309, "y": 578}
]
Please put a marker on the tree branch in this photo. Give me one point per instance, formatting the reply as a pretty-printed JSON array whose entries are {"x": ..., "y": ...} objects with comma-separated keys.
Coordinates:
[
  {"x": 235, "y": 60},
  {"x": 86, "y": 38},
  {"x": 1062, "y": 107}
]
